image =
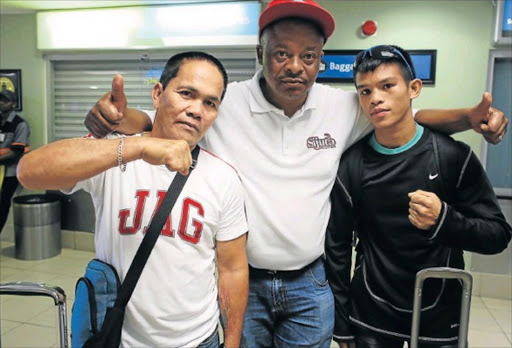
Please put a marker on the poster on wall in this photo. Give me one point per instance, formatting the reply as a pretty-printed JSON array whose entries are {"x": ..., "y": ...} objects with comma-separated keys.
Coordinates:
[
  {"x": 11, "y": 80},
  {"x": 336, "y": 65}
]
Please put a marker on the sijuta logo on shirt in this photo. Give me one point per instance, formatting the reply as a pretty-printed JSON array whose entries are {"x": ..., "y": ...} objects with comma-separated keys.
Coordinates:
[{"x": 318, "y": 143}]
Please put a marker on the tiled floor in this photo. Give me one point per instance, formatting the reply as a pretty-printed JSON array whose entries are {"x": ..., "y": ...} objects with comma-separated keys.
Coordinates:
[{"x": 32, "y": 321}]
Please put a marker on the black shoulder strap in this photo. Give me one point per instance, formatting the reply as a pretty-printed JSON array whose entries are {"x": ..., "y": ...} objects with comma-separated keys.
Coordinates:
[
  {"x": 354, "y": 163},
  {"x": 155, "y": 227},
  {"x": 446, "y": 154},
  {"x": 355, "y": 169}
]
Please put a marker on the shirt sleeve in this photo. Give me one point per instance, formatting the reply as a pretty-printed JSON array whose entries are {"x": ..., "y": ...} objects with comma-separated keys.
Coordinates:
[
  {"x": 95, "y": 184},
  {"x": 362, "y": 127},
  {"x": 474, "y": 220},
  {"x": 92, "y": 185},
  {"x": 338, "y": 252},
  {"x": 151, "y": 114},
  {"x": 233, "y": 222},
  {"x": 21, "y": 137}
]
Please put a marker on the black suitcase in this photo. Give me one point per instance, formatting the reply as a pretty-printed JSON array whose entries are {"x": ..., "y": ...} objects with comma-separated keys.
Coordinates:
[
  {"x": 443, "y": 273},
  {"x": 42, "y": 289}
]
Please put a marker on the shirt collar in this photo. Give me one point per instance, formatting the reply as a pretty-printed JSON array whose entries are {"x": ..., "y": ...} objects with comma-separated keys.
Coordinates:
[
  {"x": 387, "y": 151},
  {"x": 259, "y": 104},
  {"x": 10, "y": 117}
]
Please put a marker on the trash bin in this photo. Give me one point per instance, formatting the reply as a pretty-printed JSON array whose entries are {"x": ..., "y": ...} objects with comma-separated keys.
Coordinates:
[{"x": 37, "y": 226}]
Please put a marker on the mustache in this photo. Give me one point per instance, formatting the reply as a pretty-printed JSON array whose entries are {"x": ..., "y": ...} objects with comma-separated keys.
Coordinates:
[
  {"x": 190, "y": 125},
  {"x": 291, "y": 78}
]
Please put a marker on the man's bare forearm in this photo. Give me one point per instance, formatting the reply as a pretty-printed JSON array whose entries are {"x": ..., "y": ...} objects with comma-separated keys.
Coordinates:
[
  {"x": 60, "y": 165},
  {"x": 233, "y": 288},
  {"x": 482, "y": 118},
  {"x": 448, "y": 121},
  {"x": 134, "y": 121}
]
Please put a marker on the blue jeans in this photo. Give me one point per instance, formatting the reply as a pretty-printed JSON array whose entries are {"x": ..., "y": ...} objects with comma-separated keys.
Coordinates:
[
  {"x": 212, "y": 341},
  {"x": 289, "y": 309}
]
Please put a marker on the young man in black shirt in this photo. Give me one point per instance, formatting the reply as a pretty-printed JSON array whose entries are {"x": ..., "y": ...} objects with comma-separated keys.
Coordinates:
[{"x": 416, "y": 199}]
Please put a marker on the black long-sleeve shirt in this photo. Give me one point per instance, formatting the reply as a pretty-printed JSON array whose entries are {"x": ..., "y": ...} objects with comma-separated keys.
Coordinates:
[{"x": 390, "y": 250}]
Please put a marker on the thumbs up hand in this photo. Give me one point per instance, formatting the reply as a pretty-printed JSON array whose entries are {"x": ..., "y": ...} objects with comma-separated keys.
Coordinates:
[
  {"x": 106, "y": 115},
  {"x": 117, "y": 97},
  {"x": 488, "y": 121}
]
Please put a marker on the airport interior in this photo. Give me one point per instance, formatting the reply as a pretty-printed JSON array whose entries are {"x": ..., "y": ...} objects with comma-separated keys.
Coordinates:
[{"x": 59, "y": 58}]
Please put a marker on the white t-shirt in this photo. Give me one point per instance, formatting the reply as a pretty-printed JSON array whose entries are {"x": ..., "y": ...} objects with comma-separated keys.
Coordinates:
[
  {"x": 287, "y": 166},
  {"x": 175, "y": 301}
]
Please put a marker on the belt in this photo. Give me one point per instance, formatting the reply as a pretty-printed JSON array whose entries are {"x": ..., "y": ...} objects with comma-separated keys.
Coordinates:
[{"x": 259, "y": 272}]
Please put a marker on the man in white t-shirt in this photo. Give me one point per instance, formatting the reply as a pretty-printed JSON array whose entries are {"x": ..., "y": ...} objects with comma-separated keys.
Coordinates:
[
  {"x": 176, "y": 302},
  {"x": 285, "y": 134}
]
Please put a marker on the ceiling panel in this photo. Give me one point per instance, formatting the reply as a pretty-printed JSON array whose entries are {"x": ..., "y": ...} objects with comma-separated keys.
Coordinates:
[{"x": 17, "y": 6}]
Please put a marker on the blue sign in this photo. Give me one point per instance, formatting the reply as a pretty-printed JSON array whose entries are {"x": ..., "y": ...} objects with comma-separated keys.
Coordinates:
[
  {"x": 423, "y": 65},
  {"x": 506, "y": 25},
  {"x": 337, "y": 65}
]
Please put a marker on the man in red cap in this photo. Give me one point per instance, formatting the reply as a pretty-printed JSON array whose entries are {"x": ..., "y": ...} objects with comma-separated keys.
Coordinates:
[{"x": 285, "y": 134}]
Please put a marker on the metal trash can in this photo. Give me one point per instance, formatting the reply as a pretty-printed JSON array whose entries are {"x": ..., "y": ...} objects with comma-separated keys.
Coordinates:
[{"x": 37, "y": 226}]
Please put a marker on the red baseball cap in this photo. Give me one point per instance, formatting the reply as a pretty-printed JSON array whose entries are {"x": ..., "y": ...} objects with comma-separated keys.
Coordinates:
[{"x": 309, "y": 9}]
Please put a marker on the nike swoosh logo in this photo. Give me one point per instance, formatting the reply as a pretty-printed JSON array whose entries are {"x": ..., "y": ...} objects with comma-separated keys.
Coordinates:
[{"x": 432, "y": 177}]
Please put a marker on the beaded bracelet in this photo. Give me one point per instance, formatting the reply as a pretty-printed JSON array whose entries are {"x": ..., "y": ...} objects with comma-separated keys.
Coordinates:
[{"x": 120, "y": 163}]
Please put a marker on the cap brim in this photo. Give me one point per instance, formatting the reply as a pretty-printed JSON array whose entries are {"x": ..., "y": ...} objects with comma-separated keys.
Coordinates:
[
  {"x": 301, "y": 10},
  {"x": 9, "y": 96}
]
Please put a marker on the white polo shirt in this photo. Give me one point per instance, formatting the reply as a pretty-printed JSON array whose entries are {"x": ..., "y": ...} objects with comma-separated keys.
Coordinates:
[{"x": 287, "y": 166}]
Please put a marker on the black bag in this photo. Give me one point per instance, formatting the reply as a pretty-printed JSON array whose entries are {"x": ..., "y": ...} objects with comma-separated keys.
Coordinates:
[{"x": 108, "y": 334}]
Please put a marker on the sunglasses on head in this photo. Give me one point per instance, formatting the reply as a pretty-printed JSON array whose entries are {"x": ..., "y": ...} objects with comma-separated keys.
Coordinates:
[{"x": 383, "y": 52}]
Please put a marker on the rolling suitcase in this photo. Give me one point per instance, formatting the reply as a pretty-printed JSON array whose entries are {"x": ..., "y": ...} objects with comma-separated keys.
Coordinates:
[
  {"x": 443, "y": 273},
  {"x": 41, "y": 289}
]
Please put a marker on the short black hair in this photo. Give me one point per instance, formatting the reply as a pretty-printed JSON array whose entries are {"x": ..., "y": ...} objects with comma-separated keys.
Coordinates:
[
  {"x": 369, "y": 64},
  {"x": 172, "y": 67}
]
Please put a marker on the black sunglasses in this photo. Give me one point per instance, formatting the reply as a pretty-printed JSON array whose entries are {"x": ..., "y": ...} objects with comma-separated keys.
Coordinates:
[{"x": 383, "y": 52}]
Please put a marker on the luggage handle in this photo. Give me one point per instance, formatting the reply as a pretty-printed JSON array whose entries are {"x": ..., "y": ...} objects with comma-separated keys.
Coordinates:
[
  {"x": 42, "y": 289},
  {"x": 443, "y": 273}
]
